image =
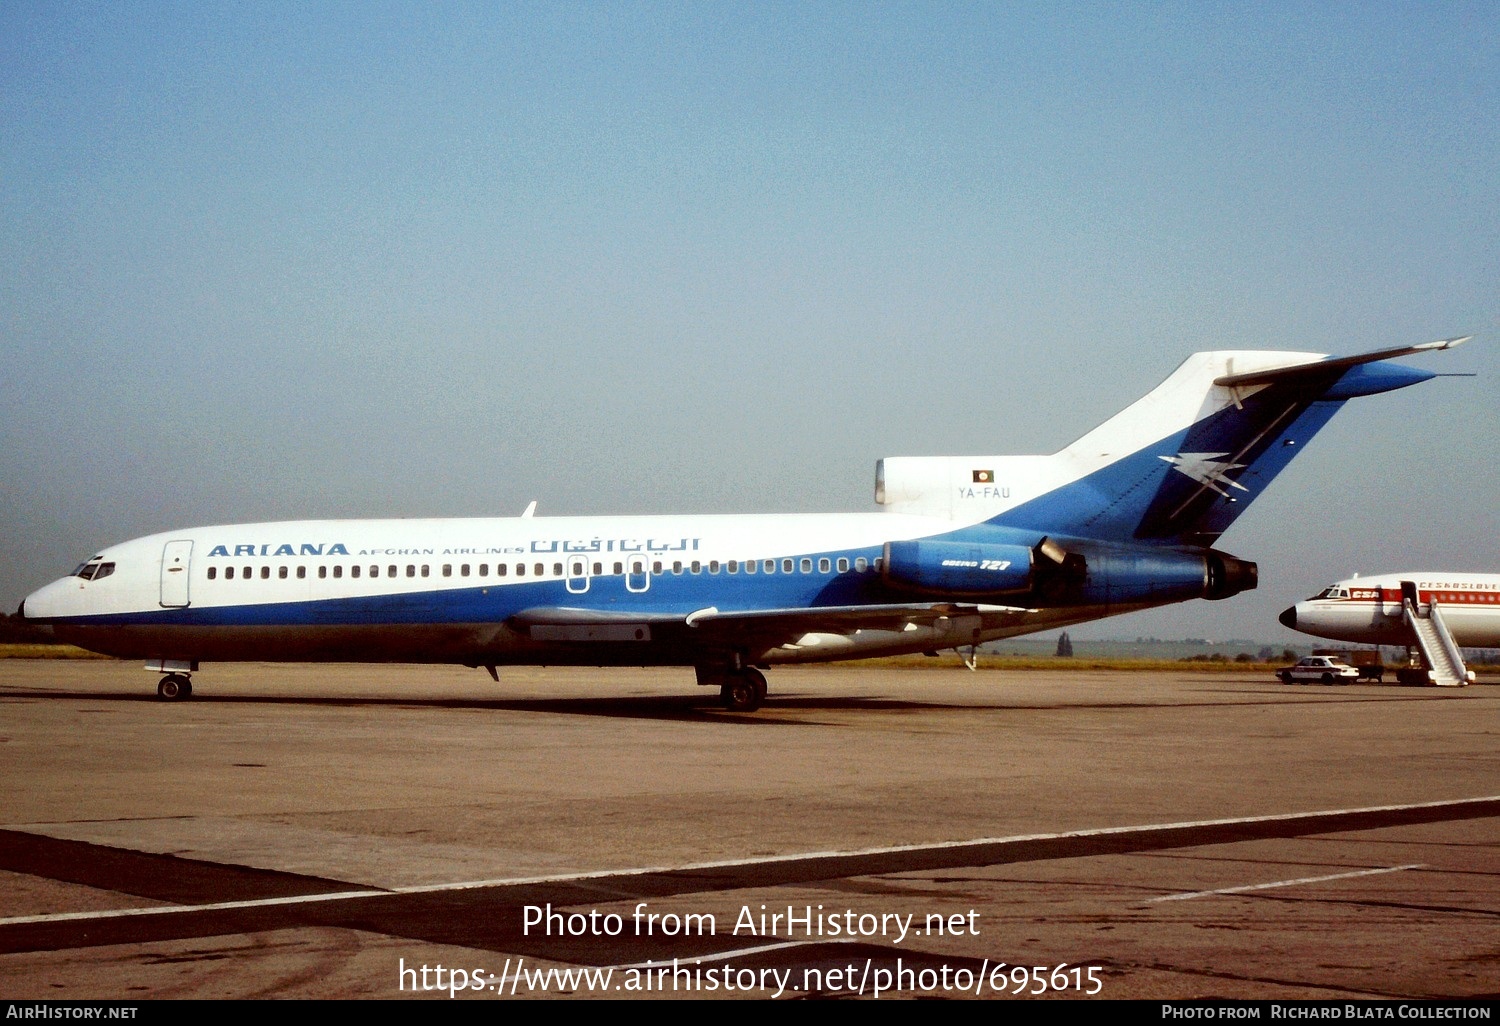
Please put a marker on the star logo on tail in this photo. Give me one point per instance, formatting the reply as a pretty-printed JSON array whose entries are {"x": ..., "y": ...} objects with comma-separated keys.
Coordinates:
[{"x": 1207, "y": 468}]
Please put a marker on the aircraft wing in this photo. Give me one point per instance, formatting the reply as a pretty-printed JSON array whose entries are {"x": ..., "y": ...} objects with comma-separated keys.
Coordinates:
[
  {"x": 764, "y": 628},
  {"x": 793, "y": 623}
]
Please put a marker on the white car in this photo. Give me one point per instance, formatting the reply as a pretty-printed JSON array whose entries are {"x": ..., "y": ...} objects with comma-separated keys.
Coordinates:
[{"x": 1318, "y": 668}]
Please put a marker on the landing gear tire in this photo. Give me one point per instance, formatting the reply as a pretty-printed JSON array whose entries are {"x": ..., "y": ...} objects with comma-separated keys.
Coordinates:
[
  {"x": 758, "y": 682},
  {"x": 174, "y": 687},
  {"x": 744, "y": 692}
]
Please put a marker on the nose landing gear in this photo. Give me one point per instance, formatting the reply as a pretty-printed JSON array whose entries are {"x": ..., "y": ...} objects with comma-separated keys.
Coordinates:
[
  {"x": 176, "y": 682},
  {"x": 174, "y": 687}
]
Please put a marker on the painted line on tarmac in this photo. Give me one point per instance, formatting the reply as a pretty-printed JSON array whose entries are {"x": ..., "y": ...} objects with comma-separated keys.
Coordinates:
[
  {"x": 699, "y": 867},
  {"x": 1289, "y": 883}
]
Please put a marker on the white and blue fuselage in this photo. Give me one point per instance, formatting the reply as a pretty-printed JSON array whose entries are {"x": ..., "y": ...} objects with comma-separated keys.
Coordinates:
[{"x": 452, "y": 590}]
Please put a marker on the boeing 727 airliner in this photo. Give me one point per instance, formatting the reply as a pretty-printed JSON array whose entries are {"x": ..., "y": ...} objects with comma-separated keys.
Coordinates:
[{"x": 962, "y": 550}]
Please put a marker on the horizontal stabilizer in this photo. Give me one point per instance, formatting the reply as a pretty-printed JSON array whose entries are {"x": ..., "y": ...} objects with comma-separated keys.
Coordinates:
[{"x": 1275, "y": 374}]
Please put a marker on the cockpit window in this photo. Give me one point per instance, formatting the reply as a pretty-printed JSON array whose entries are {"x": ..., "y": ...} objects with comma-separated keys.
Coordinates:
[{"x": 94, "y": 569}]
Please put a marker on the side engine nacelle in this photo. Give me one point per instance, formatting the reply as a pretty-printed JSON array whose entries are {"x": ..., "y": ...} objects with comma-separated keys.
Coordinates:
[
  {"x": 1062, "y": 572},
  {"x": 1128, "y": 575},
  {"x": 968, "y": 569}
]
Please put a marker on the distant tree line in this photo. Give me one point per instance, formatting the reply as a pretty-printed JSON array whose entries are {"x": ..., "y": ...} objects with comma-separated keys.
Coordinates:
[
  {"x": 1266, "y": 655},
  {"x": 16, "y": 631}
]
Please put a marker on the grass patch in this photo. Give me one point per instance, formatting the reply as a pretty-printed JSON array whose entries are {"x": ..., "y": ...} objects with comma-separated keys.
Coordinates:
[
  {"x": 27, "y": 651},
  {"x": 1055, "y": 663}
]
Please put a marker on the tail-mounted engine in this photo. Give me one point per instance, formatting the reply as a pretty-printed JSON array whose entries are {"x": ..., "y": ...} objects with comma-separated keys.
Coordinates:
[
  {"x": 1065, "y": 573},
  {"x": 967, "y": 569},
  {"x": 1229, "y": 576}
]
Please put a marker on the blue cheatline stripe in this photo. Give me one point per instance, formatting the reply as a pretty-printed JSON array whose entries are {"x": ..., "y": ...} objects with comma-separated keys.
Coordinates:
[{"x": 492, "y": 602}]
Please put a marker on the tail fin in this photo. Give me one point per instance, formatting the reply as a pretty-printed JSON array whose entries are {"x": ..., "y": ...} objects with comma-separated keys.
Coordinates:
[{"x": 1177, "y": 466}]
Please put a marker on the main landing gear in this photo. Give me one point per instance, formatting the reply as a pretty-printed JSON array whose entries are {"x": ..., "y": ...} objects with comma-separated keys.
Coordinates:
[
  {"x": 741, "y": 690},
  {"x": 174, "y": 687},
  {"x": 744, "y": 691}
]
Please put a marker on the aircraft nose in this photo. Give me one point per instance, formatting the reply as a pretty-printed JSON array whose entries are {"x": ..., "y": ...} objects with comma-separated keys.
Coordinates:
[
  {"x": 21, "y": 610},
  {"x": 1288, "y": 617}
]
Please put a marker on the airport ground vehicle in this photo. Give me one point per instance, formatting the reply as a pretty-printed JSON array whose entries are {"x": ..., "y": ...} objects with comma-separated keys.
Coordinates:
[
  {"x": 1368, "y": 661},
  {"x": 1318, "y": 670}
]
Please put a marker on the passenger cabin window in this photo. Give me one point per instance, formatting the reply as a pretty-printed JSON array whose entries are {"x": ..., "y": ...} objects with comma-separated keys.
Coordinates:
[
  {"x": 265, "y": 573},
  {"x": 281, "y": 572},
  {"x": 301, "y": 573},
  {"x": 806, "y": 565},
  {"x": 213, "y": 572},
  {"x": 823, "y": 565},
  {"x": 786, "y": 566},
  {"x": 338, "y": 571},
  {"x": 354, "y": 570},
  {"x": 322, "y": 571}
]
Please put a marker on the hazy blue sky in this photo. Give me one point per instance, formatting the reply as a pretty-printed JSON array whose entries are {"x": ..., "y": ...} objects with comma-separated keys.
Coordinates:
[{"x": 265, "y": 261}]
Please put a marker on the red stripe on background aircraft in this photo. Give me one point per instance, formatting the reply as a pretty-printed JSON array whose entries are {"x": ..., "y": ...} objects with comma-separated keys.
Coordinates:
[{"x": 1368, "y": 610}]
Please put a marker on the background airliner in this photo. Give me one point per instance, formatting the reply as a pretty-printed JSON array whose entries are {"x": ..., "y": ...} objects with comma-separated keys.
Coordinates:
[
  {"x": 962, "y": 550},
  {"x": 1436, "y": 613}
]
